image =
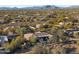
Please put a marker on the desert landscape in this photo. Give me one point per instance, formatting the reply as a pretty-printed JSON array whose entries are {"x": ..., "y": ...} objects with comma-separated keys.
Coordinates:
[{"x": 39, "y": 30}]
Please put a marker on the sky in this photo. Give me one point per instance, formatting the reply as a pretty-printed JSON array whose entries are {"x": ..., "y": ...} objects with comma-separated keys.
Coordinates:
[{"x": 22, "y": 3}]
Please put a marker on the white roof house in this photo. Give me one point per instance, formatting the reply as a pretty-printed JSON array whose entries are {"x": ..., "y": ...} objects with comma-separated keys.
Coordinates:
[{"x": 3, "y": 39}]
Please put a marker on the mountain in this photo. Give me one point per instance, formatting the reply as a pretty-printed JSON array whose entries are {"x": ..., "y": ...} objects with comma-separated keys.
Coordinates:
[
  {"x": 73, "y": 7},
  {"x": 76, "y": 6},
  {"x": 44, "y": 7},
  {"x": 33, "y": 7},
  {"x": 8, "y": 8}
]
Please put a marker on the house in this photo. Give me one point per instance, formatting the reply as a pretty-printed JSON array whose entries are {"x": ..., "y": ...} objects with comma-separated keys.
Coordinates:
[
  {"x": 12, "y": 36},
  {"x": 3, "y": 40},
  {"x": 27, "y": 36},
  {"x": 72, "y": 33},
  {"x": 42, "y": 36}
]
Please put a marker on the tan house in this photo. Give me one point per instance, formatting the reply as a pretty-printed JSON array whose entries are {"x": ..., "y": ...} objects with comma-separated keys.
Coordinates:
[
  {"x": 39, "y": 36},
  {"x": 27, "y": 36}
]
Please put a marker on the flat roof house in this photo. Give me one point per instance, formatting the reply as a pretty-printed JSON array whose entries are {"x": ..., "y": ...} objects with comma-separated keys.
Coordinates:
[
  {"x": 42, "y": 36},
  {"x": 73, "y": 34},
  {"x": 11, "y": 37}
]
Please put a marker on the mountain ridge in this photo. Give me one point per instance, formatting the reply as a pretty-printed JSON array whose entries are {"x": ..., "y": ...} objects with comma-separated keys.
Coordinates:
[
  {"x": 32, "y": 7},
  {"x": 39, "y": 7}
]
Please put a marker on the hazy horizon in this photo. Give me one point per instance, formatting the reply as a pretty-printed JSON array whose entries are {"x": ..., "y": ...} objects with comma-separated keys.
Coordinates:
[
  {"x": 29, "y": 3},
  {"x": 20, "y": 6}
]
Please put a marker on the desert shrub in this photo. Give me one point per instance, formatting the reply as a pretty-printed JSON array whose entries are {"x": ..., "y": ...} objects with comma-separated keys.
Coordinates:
[
  {"x": 32, "y": 40},
  {"x": 14, "y": 44},
  {"x": 58, "y": 49},
  {"x": 39, "y": 49}
]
